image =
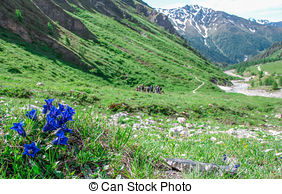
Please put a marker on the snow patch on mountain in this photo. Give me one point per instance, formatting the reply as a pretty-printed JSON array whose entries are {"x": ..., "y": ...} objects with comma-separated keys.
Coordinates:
[{"x": 252, "y": 30}]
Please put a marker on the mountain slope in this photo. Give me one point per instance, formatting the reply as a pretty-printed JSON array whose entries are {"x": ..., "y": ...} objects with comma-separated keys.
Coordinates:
[
  {"x": 118, "y": 44},
  {"x": 222, "y": 37},
  {"x": 272, "y": 54}
]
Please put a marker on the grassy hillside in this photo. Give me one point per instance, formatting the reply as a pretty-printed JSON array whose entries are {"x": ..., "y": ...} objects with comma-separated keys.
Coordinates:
[
  {"x": 118, "y": 132},
  {"x": 125, "y": 54}
]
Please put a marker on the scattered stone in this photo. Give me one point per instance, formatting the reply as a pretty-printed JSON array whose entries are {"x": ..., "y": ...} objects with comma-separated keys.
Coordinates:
[
  {"x": 40, "y": 84},
  {"x": 176, "y": 130},
  {"x": 189, "y": 125},
  {"x": 268, "y": 150},
  {"x": 278, "y": 116},
  {"x": 181, "y": 120},
  {"x": 219, "y": 143},
  {"x": 30, "y": 106},
  {"x": 183, "y": 133},
  {"x": 213, "y": 139},
  {"x": 274, "y": 133},
  {"x": 189, "y": 165}
]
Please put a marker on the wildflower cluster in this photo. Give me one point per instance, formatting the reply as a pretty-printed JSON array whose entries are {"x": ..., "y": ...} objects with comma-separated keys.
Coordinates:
[{"x": 56, "y": 120}]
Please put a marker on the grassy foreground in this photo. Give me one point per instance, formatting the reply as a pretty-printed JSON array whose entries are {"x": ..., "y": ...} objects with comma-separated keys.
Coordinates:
[{"x": 105, "y": 145}]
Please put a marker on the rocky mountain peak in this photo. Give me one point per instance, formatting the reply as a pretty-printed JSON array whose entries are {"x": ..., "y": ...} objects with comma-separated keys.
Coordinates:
[{"x": 222, "y": 37}]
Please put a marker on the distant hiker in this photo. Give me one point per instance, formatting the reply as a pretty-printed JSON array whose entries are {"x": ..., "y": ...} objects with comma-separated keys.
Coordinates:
[
  {"x": 137, "y": 88},
  {"x": 143, "y": 88},
  {"x": 151, "y": 88},
  {"x": 148, "y": 89},
  {"x": 160, "y": 90},
  {"x": 157, "y": 89}
]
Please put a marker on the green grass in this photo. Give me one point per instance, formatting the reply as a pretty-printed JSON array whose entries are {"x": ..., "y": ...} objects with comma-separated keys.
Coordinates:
[{"x": 274, "y": 67}]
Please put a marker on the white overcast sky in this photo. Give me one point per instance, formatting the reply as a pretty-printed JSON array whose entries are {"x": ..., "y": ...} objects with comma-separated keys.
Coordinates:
[{"x": 258, "y": 9}]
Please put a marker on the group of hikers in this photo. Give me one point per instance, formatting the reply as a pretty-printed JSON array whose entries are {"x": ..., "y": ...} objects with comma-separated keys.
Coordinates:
[{"x": 150, "y": 89}]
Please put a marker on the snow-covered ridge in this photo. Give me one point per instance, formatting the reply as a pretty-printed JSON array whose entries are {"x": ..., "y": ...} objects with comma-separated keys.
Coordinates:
[
  {"x": 204, "y": 20},
  {"x": 194, "y": 15}
]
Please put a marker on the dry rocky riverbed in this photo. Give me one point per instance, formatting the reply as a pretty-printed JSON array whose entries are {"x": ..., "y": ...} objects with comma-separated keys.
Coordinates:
[{"x": 241, "y": 86}]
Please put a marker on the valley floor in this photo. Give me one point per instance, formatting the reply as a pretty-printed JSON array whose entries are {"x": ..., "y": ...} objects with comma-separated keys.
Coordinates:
[{"x": 241, "y": 86}]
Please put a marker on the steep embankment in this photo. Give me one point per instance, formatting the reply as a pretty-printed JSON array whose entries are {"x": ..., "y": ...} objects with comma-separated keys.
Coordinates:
[{"x": 123, "y": 43}]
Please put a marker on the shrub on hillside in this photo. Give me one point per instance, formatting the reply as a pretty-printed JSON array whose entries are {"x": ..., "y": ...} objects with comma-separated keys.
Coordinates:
[
  {"x": 16, "y": 92},
  {"x": 19, "y": 15},
  {"x": 67, "y": 40},
  {"x": 274, "y": 85},
  {"x": 268, "y": 81},
  {"x": 50, "y": 27}
]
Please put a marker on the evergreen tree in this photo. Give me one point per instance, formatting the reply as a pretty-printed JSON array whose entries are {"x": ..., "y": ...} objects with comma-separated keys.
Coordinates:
[
  {"x": 274, "y": 85},
  {"x": 260, "y": 82},
  {"x": 19, "y": 15},
  {"x": 51, "y": 29},
  {"x": 67, "y": 40},
  {"x": 252, "y": 83}
]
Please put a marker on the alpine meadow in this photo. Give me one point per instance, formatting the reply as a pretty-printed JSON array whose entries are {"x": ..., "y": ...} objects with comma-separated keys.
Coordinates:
[{"x": 108, "y": 89}]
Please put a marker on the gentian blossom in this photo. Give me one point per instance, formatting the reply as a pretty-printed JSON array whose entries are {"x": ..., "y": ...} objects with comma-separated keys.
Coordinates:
[
  {"x": 19, "y": 128},
  {"x": 32, "y": 114},
  {"x": 30, "y": 149},
  {"x": 67, "y": 115},
  {"x": 224, "y": 157},
  {"x": 61, "y": 139},
  {"x": 237, "y": 166},
  {"x": 65, "y": 129},
  {"x": 61, "y": 107},
  {"x": 52, "y": 124},
  {"x": 54, "y": 112},
  {"x": 47, "y": 106}
]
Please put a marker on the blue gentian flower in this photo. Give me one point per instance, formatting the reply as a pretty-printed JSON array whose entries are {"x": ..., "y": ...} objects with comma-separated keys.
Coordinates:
[
  {"x": 67, "y": 115},
  {"x": 224, "y": 157},
  {"x": 51, "y": 125},
  {"x": 61, "y": 107},
  {"x": 237, "y": 166},
  {"x": 54, "y": 112},
  {"x": 70, "y": 110},
  {"x": 65, "y": 129},
  {"x": 30, "y": 149},
  {"x": 61, "y": 139},
  {"x": 32, "y": 114},
  {"x": 47, "y": 106},
  {"x": 19, "y": 128}
]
